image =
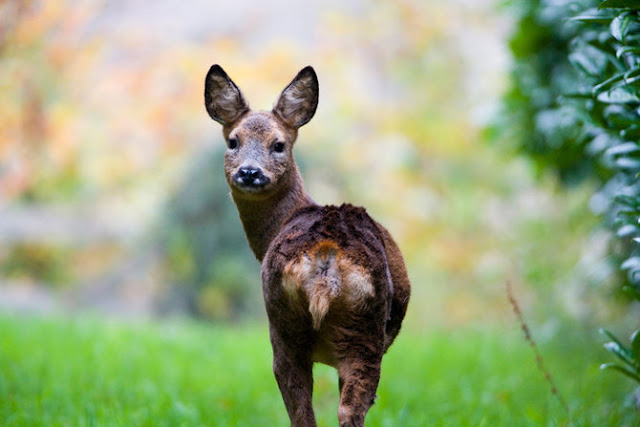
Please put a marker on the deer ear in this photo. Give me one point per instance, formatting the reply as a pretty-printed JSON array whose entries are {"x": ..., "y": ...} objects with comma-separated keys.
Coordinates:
[
  {"x": 298, "y": 101},
  {"x": 223, "y": 99}
]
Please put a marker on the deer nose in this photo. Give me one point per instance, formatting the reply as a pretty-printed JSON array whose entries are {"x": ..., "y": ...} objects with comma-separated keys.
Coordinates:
[
  {"x": 251, "y": 176},
  {"x": 249, "y": 173}
]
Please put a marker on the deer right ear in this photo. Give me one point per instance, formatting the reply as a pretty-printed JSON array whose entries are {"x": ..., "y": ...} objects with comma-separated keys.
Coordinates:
[
  {"x": 222, "y": 98},
  {"x": 298, "y": 101}
]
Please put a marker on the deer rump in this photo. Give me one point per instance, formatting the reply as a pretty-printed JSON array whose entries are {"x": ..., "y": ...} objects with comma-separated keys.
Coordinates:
[{"x": 331, "y": 261}]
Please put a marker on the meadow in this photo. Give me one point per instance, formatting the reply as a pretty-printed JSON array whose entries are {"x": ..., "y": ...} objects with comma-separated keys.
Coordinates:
[{"x": 90, "y": 371}]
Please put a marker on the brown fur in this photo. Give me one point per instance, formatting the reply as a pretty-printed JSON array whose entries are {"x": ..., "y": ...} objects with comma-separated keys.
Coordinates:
[{"x": 334, "y": 281}]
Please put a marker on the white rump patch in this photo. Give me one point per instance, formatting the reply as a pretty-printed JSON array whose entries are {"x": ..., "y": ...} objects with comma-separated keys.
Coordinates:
[{"x": 323, "y": 275}]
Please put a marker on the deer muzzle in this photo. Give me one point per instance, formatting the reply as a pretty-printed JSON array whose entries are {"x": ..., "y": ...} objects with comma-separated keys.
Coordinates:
[{"x": 250, "y": 178}]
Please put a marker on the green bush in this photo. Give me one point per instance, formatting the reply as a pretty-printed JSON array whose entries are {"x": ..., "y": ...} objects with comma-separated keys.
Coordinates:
[
  {"x": 533, "y": 121},
  {"x": 629, "y": 356},
  {"x": 607, "y": 55},
  {"x": 584, "y": 120},
  {"x": 613, "y": 122},
  {"x": 573, "y": 105}
]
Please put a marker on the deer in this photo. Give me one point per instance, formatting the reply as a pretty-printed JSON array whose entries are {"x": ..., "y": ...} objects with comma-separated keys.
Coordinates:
[{"x": 334, "y": 281}]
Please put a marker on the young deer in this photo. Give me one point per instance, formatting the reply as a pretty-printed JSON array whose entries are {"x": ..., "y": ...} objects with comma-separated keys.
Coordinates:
[{"x": 334, "y": 281}]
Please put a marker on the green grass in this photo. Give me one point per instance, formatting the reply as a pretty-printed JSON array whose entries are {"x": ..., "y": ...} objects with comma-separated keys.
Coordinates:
[{"x": 91, "y": 371}]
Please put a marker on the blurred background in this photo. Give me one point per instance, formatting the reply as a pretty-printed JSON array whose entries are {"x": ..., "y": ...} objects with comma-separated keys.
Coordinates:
[{"x": 112, "y": 194}]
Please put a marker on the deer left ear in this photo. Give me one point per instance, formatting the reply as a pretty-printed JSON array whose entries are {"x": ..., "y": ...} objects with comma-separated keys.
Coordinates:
[
  {"x": 222, "y": 98},
  {"x": 298, "y": 102}
]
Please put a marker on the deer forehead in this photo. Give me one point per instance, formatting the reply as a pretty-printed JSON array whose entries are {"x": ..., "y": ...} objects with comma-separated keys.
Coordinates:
[{"x": 261, "y": 126}]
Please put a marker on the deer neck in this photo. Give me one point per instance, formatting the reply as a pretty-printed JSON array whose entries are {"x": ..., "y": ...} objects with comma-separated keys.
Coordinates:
[{"x": 263, "y": 219}]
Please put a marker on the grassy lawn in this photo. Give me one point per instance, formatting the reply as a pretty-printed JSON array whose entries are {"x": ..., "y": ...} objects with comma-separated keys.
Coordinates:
[{"x": 85, "y": 372}]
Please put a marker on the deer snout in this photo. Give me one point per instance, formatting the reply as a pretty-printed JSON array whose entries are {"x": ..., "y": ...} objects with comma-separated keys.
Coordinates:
[{"x": 252, "y": 177}]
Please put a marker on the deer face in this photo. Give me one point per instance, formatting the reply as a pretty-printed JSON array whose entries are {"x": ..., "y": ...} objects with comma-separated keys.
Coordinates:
[{"x": 259, "y": 160}]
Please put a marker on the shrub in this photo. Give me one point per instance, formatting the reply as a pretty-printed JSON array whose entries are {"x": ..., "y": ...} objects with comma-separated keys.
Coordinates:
[
  {"x": 607, "y": 55},
  {"x": 585, "y": 120},
  {"x": 629, "y": 356},
  {"x": 533, "y": 121},
  {"x": 573, "y": 105}
]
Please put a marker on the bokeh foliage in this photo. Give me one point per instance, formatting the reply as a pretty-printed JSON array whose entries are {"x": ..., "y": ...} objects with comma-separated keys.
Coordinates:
[
  {"x": 212, "y": 270},
  {"x": 110, "y": 121},
  {"x": 122, "y": 137}
]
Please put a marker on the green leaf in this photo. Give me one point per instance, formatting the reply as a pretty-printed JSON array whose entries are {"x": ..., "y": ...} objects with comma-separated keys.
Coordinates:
[
  {"x": 624, "y": 220},
  {"x": 601, "y": 86},
  {"x": 624, "y": 148},
  {"x": 635, "y": 346},
  {"x": 618, "y": 95},
  {"x": 619, "y": 4},
  {"x": 630, "y": 263},
  {"x": 592, "y": 19},
  {"x": 625, "y": 371},
  {"x": 617, "y": 348},
  {"x": 623, "y": 353},
  {"x": 620, "y": 26},
  {"x": 632, "y": 292},
  {"x": 627, "y": 163},
  {"x": 625, "y": 50},
  {"x": 634, "y": 72},
  {"x": 632, "y": 131},
  {"x": 616, "y": 28},
  {"x": 588, "y": 64},
  {"x": 632, "y": 202},
  {"x": 627, "y": 230},
  {"x": 629, "y": 215},
  {"x": 576, "y": 95},
  {"x": 609, "y": 335},
  {"x": 620, "y": 116}
]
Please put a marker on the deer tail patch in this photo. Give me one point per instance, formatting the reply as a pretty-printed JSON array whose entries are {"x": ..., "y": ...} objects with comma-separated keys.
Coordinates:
[{"x": 323, "y": 275}]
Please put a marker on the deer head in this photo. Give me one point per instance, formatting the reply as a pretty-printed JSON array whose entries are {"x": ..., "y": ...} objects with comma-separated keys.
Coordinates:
[{"x": 259, "y": 162}]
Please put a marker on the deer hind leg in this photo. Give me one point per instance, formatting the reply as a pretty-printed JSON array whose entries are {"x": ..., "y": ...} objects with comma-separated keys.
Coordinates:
[
  {"x": 358, "y": 385},
  {"x": 294, "y": 375},
  {"x": 359, "y": 344},
  {"x": 358, "y": 371}
]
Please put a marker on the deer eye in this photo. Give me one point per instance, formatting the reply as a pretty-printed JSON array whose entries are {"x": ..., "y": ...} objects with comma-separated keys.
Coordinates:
[
  {"x": 278, "y": 147},
  {"x": 232, "y": 144}
]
